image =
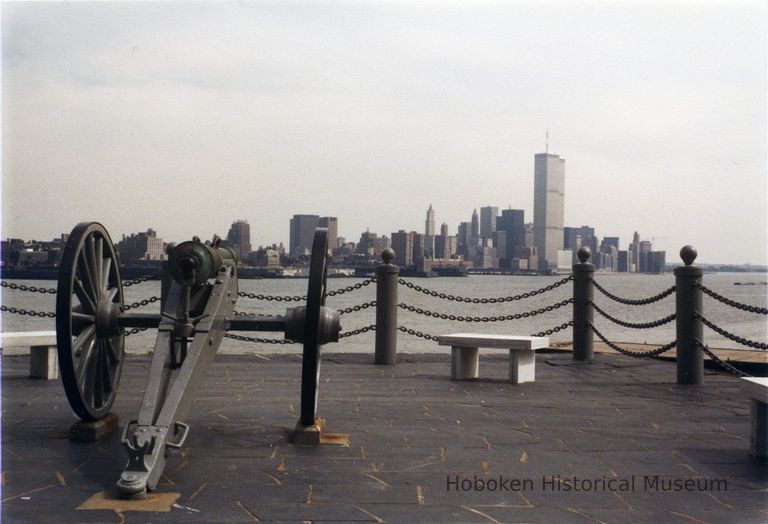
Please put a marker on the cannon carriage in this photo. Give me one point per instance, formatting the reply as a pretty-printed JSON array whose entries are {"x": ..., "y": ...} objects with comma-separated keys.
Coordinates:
[{"x": 199, "y": 293}]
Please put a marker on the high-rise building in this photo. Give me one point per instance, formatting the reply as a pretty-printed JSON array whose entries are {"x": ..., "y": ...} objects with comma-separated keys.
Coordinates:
[
  {"x": 302, "y": 234},
  {"x": 402, "y": 243},
  {"x": 512, "y": 221},
  {"x": 488, "y": 216},
  {"x": 548, "y": 207},
  {"x": 332, "y": 223},
  {"x": 429, "y": 233},
  {"x": 464, "y": 239},
  {"x": 475, "y": 229},
  {"x": 644, "y": 258},
  {"x": 419, "y": 247},
  {"x": 444, "y": 229},
  {"x": 577, "y": 237},
  {"x": 239, "y": 238},
  {"x": 429, "y": 223}
]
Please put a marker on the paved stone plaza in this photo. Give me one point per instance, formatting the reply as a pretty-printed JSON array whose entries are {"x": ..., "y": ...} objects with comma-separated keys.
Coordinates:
[{"x": 612, "y": 441}]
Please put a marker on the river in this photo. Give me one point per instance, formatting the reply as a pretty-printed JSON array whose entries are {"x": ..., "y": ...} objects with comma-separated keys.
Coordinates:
[{"x": 748, "y": 325}]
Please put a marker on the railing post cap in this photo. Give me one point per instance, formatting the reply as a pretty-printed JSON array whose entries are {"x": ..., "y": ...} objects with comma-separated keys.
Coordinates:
[
  {"x": 688, "y": 254},
  {"x": 583, "y": 254},
  {"x": 388, "y": 255}
]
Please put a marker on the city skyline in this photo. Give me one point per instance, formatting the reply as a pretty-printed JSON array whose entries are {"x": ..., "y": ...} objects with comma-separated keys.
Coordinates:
[{"x": 163, "y": 116}]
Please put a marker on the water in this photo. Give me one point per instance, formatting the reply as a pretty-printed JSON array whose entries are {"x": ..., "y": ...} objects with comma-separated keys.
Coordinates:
[{"x": 748, "y": 325}]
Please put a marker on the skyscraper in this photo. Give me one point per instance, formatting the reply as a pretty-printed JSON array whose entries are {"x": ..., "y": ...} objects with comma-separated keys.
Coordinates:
[
  {"x": 239, "y": 237},
  {"x": 429, "y": 224},
  {"x": 548, "y": 207},
  {"x": 302, "y": 234},
  {"x": 332, "y": 223},
  {"x": 475, "y": 232},
  {"x": 429, "y": 233},
  {"x": 488, "y": 216}
]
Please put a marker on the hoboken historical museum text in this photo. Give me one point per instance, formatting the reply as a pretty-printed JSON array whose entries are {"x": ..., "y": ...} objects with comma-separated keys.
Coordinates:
[{"x": 555, "y": 483}]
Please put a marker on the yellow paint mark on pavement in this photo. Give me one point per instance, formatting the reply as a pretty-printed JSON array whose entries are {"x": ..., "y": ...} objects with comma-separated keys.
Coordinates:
[
  {"x": 377, "y": 519},
  {"x": 197, "y": 491},
  {"x": 484, "y": 466},
  {"x": 377, "y": 479},
  {"x": 442, "y": 454},
  {"x": 153, "y": 502},
  {"x": 60, "y": 478},
  {"x": 270, "y": 475},
  {"x": 247, "y": 511},
  {"x": 419, "y": 495},
  {"x": 309, "y": 495},
  {"x": 523, "y": 457},
  {"x": 477, "y": 512}
]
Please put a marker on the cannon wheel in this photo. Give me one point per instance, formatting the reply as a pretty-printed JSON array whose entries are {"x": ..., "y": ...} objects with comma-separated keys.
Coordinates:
[
  {"x": 310, "y": 367},
  {"x": 88, "y": 299}
]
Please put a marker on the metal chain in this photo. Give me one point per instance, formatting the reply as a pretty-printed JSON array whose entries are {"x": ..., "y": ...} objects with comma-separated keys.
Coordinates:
[
  {"x": 260, "y": 340},
  {"x": 357, "y": 308},
  {"x": 129, "y": 283},
  {"x": 29, "y": 313},
  {"x": 555, "y": 329},
  {"x": 633, "y": 302},
  {"x": 133, "y": 331},
  {"x": 461, "y": 318},
  {"x": 725, "y": 365},
  {"x": 416, "y": 333},
  {"x": 732, "y": 303},
  {"x": 358, "y": 331},
  {"x": 350, "y": 288},
  {"x": 731, "y": 336},
  {"x": 22, "y": 287},
  {"x": 629, "y": 352},
  {"x": 276, "y": 298},
  {"x": 641, "y": 325},
  {"x": 144, "y": 302},
  {"x": 454, "y": 298}
]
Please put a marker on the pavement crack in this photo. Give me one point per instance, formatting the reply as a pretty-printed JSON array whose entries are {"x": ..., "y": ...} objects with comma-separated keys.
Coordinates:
[
  {"x": 590, "y": 517},
  {"x": 197, "y": 491},
  {"x": 377, "y": 519},
  {"x": 274, "y": 478}
]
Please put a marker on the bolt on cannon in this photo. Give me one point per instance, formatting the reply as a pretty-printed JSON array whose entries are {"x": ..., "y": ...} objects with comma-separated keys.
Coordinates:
[{"x": 199, "y": 292}]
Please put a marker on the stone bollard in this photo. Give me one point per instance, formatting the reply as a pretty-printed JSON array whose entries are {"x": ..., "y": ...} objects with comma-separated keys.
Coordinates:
[
  {"x": 583, "y": 338},
  {"x": 387, "y": 275},
  {"x": 690, "y": 359}
]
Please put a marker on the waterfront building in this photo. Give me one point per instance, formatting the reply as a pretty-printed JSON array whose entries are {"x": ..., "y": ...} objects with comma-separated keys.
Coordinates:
[
  {"x": 529, "y": 254},
  {"x": 332, "y": 224},
  {"x": 500, "y": 243},
  {"x": 141, "y": 246},
  {"x": 445, "y": 246},
  {"x": 564, "y": 260},
  {"x": 419, "y": 247},
  {"x": 657, "y": 261},
  {"x": 302, "y": 234},
  {"x": 239, "y": 238},
  {"x": 488, "y": 216},
  {"x": 548, "y": 207},
  {"x": 402, "y": 243}
]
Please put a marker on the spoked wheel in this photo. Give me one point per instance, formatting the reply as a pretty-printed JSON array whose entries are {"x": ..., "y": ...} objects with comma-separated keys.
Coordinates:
[
  {"x": 310, "y": 367},
  {"x": 89, "y": 299}
]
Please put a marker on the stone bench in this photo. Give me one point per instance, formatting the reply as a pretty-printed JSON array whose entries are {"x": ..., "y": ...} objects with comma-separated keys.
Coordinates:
[
  {"x": 465, "y": 354},
  {"x": 757, "y": 389},
  {"x": 41, "y": 345}
]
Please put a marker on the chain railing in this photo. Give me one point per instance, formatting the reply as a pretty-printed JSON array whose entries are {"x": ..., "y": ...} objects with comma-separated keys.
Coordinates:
[
  {"x": 638, "y": 354},
  {"x": 476, "y": 300},
  {"x": 729, "y": 335},
  {"x": 633, "y": 302},
  {"x": 634, "y": 325},
  {"x": 27, "y": 312},
  {"x": 31, "y": 289},
  {"x": 141, "y": 280},
  {"x": 720, "y": 362},
  {"x": 732, "y": 303},
  {"x": 461, "y": 318}
]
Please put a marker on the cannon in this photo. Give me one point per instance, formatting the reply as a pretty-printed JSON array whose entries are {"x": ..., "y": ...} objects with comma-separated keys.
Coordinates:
[{"x": 199, "y": 292}]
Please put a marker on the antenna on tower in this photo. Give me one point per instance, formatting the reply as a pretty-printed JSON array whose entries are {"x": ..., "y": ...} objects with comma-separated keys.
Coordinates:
[{"x": 547, "y": 142}]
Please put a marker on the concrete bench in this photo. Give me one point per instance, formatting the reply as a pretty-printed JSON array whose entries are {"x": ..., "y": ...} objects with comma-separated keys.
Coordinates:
[
  {"x": 41, "y": 346},
  {"x": 465, "y": 354},
  {"x": 757, "y": 389}
]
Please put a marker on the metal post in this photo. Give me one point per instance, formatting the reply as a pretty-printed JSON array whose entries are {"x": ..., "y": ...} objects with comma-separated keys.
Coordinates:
[
  {"x": 582, "y": 307},
  {"x": 387, "y": 275},
  {"x": 690, "y": 359}
]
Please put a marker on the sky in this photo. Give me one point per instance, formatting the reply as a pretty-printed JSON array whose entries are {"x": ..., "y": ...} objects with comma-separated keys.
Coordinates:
[{"x": 184, "y": 117}]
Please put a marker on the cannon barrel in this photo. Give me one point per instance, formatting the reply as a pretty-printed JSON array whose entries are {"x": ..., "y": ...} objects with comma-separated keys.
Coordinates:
[{"x": 193, "y": 263}]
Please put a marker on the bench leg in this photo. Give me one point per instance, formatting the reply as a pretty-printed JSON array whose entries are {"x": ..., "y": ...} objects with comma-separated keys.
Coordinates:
[
  {"x": 522, "y": 366},
  {"x": 758, "y": 442},
  {"x": 465, "y": 363},
  {"x": 43, "y": 362}
]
